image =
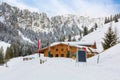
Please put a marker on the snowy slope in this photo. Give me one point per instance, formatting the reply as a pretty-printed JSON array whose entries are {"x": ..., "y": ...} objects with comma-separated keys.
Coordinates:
[
  {"x": 109, "y": 55},
  {"x": 4, "y": 45},
  {"x": 98, "y": 35},
  {"x": 64, "y": 69},
  {"x": 25, "y": 38},
  {"x": 2, "y": 19}
]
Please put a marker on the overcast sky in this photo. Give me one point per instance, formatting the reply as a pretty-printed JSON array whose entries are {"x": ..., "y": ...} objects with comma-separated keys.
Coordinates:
[{"x": 93, "y": 8}]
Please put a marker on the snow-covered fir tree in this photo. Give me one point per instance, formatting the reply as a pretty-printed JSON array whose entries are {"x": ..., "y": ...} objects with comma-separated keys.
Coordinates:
[
  {"x": 1, "y": 56},
  {"x": 7, "y": 55},
  {"x": 85, "y": 32},
  {"x": 110, "y": 39}
]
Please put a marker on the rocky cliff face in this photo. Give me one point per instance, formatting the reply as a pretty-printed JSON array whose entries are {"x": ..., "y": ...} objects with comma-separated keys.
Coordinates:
[{"x": 34, "y": 25}]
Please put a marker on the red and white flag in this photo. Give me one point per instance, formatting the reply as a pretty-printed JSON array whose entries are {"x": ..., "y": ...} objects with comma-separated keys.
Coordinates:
[{"x": 38, "y": 43}]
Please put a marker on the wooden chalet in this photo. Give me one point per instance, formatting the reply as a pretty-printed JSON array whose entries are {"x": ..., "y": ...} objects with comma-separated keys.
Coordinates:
[{"x": 61, "y": 49}]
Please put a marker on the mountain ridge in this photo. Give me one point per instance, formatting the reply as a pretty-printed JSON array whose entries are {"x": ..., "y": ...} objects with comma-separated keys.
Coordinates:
[{"x": 39, "y": 25}]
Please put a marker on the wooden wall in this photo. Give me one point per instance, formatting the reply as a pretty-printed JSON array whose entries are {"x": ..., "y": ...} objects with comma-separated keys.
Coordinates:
[{"x": 60, "y": 50}]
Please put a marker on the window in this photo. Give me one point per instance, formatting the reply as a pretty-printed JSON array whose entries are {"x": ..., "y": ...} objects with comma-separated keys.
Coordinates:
[
  {"x": 56, "y": 49},
  {"x": 51, "y": 55},
  {"x": 62, "y": 55},
  {"x": 56, "y": 55}
]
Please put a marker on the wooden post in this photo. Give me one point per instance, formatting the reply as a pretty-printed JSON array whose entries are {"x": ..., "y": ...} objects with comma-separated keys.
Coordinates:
[{"x": 98, "y": 58}]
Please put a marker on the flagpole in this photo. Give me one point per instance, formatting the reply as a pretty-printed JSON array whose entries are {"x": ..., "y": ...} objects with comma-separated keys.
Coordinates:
[{"x": 39, "y": 46}]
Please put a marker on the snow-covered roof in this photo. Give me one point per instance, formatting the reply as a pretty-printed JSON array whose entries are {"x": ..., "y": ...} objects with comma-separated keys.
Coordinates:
[
  {"x": 57, "y": 43},
  {"x": 79, "y": 45}
]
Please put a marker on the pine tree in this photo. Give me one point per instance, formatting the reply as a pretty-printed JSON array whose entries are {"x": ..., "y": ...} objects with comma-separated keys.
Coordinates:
[
  {"x": 80, "y": 35},
  {"x": 74, "y": 39},
  {"x": 62, "y": 38},
  {"x": 85, "y": 31},
  {"x": 69, "y": 38},
  {"x": 7, "y": 55},
  {"x": 11, "y": 52},
  {"x": 111, "y": 18},
  {"x": 96, "y": 26},
  {"x": 1, "y": 56},
  {"x": 91, "y": 30},
  {"x": 29, "y": 51},
  {"x": 16, "y": 50},
  {"x": 115, "y": 18},
  {"x": 106, "y": 20},
  {"x": 110, "y": 39}
]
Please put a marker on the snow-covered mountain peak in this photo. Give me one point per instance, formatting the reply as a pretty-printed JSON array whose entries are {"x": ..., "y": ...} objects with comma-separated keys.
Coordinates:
[{"x": 36, "y": 25}]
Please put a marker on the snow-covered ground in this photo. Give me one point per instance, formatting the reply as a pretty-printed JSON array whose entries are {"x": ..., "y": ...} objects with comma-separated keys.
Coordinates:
[
  {"x": 4, "y": 45},
  {"x": 64, "y": 68}
]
